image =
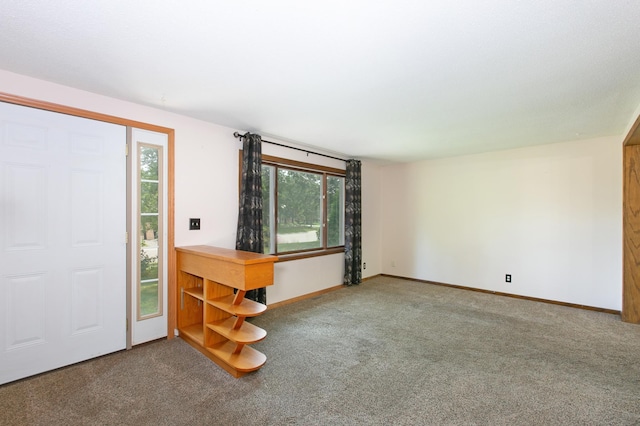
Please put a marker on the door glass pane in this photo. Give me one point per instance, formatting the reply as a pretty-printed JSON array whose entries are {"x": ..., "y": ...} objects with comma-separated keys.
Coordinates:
[
  {"x": 149, "y": 284},
  {"x": 299, "y": 210},
  {"x": 335, "y": 211}
]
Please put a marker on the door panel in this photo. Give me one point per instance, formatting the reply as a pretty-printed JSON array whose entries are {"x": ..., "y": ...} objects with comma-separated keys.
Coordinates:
[
  {"x": 87, "y": 287},
  {"x": 63, "y": 252},
  {"x": 25, "y": 311}
]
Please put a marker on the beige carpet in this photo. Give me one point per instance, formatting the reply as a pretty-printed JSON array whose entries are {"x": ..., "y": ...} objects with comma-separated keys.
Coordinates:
[{"x": 386, "y": 352}]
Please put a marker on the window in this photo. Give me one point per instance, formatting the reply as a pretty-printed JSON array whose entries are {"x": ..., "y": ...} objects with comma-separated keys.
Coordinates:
[
  {"x": 149, "y": 228},
  {"x": 303, "y": 208}
]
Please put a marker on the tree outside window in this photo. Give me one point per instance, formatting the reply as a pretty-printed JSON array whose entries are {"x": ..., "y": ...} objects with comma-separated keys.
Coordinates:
[{"x": 303, "y": 207}]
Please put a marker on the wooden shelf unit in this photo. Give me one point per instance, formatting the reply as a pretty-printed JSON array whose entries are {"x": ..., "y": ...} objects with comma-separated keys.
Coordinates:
[{"x": 212, "y": 282}]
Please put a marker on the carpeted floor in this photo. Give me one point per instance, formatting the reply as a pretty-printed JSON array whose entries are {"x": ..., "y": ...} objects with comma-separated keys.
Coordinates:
[{"x": 386, "y": 352}]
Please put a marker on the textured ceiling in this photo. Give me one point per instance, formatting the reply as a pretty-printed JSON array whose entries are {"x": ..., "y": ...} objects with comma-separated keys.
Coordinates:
[{"x": 391, "y": 80}]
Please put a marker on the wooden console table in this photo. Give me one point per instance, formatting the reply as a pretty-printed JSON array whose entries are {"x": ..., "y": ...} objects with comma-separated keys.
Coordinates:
[{"x": 212, "y": 309}]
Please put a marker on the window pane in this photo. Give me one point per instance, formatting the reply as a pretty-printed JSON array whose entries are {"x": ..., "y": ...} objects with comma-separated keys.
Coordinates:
[
  {"x": 148, "y": 163},
  {"x": 268, "y": 224},
  {"x": 149, "y": 300},
  {"x": 148, "y": 197},
  {"x": 149, "y": 278},
  {"x": 299, "y": 210},
  {"x": 335, "y": 211},
  {"x": 149, "y": 274}
]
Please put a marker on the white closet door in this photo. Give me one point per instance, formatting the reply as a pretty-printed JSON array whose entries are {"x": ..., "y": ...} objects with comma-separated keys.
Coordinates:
[{"x": 62, "y": 240}]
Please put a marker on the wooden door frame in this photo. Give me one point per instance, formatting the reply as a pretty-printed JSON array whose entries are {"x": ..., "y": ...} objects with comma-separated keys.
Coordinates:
[
  {"x": 63, "y": 109},
  {"x": 631, "y": 226}
]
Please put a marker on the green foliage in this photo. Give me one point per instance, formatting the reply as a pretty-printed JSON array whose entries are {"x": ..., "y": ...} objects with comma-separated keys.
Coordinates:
[
  {"x": 148, "y": 290},
  {"x": 282, "y": 248},
  {"x": 299, "y": 207},
  {"x": 149, "y": 193},
  {"x": 293, "y": 228},
  {"x": 335, "y": 210},
  {"x": 149, "y": 163},
  {"x": 148, "y": 266},
  {"x": 149, "y": 188},
  {"x": 149, "y": 298},
  {"x": 299, "y": 197},
  {"x": 266, "y": 207}
]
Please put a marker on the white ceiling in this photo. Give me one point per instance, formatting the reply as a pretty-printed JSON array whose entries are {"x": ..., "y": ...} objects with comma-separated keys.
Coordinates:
[{"x": 393, "y": 80}]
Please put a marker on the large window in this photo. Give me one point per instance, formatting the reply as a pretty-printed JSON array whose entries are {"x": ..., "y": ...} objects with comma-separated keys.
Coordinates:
[{"x": 303, "y": 208}]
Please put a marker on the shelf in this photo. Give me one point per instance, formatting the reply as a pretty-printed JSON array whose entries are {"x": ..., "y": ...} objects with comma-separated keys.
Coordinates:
[
  {"x": 246, "y": 308},
  {"x": 247, "y": 360},
  {"x": 209, "y": 280},
  {"x": 194, "y": 332},
  {"x": 247, "y": 333},
  {"x": 196, "y": 292}
]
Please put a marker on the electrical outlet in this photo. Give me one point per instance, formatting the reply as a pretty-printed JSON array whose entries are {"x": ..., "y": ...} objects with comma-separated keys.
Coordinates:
[
  {"x": 194, "y": 224},
  {"x": 507, "y": 278},
  {"x": 364, "y": 265},
  {"x": 393, "y": 263}
]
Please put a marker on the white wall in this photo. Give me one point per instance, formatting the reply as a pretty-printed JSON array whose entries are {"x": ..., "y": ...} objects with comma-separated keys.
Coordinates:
[
  {"x": 371, "y": 219},
  {"x": 550, "y": 215},
  {"x": 206, "y": 182}
]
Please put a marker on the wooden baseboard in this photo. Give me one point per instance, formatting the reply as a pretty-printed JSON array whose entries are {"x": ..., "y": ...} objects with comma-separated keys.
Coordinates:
[
  {"x": 303, "y": 297},
  {"x": 314, "y": 294},
  {"x": 515, "y": 296},
  {"x": 460, "y": 287}
]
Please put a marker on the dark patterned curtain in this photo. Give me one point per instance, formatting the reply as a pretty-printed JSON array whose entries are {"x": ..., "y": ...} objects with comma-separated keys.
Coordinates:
[
  {"x": 249, "y": 236},
  {"x": 353, "y": 224}
]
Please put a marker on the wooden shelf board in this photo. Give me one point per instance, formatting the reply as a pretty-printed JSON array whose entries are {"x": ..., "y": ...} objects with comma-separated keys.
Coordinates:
[
  {"x": 194, "y": 332},
  {"x": 196, "y": 292},
  {"x": 228, "y": 255},
  {"x": 247, "y": 333},
  {"x": 247, "y": 360},
  {"x": 246, "y": 308}
]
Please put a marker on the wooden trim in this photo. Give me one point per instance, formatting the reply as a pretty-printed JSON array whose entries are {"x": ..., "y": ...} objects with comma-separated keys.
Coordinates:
[
  {"x": 304, "y": 297},
  {"x": 172, "y": 286},
  {"x": 633, "y": 137},
  {"x": 325, "y": 214},
  {"x": 515, "y": 296},
  {"x": 631, "y": 234},
  {"x": 49, "y": 106},
  {"x": 459, "y": 287},
  {"x": 631, "y": 225},
  {"x": 307, "y": 255},
  {"x": 63, "y": 109},
  {"x": 314, "y": 294},
  {"x": 300, "y": 165}
]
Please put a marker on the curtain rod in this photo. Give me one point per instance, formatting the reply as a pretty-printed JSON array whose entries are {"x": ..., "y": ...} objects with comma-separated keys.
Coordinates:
[{"x": 239, "y": 136}]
